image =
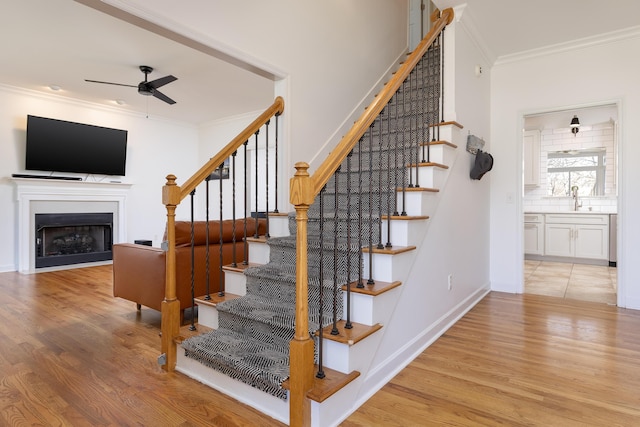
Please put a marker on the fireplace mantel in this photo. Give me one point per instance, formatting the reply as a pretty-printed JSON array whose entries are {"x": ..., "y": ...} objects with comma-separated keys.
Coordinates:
[{"x": 64, "y": 196}]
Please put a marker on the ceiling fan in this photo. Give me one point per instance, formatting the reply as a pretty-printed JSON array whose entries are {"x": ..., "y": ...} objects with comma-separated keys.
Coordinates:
[{"x": 147, "y": 88}]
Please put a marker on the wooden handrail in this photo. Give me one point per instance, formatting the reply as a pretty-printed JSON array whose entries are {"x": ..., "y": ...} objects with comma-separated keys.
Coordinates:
[
  {"x": 347, "y": 143},
  {"x": 214, "y": 163},
  {"x": 172, "y": 195}
]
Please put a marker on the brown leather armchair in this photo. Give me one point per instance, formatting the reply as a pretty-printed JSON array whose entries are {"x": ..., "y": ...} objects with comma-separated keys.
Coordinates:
[{"x": 139, "y": 270}]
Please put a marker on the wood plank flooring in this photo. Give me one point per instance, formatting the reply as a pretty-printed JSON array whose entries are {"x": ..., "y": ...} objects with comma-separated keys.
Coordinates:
[
  {"x": 73, "y": 355},
  {"x": 517, "y": 360}
]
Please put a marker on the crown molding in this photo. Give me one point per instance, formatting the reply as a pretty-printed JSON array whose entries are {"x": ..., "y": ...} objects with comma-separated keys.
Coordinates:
[{"x": 583, "y": 43}]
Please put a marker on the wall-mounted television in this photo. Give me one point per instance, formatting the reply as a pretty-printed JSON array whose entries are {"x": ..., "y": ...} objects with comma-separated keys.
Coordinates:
[{"x": 60, "y": 146}]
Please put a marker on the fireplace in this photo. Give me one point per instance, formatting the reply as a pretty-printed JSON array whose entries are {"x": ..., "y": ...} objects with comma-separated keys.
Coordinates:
[{"x": 72, "y": 238}]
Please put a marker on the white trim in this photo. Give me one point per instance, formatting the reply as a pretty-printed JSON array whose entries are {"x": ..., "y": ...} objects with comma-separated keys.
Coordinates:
[{"x": 583, "y": 43}]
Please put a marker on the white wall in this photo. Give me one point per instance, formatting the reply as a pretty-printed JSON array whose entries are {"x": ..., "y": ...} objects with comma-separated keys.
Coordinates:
[
  {"x": 586, "y": 75},
  {"x": 330, "y": 53},
  {"x": 457, "y": 239},
  {"x": 155, "y": 149}
]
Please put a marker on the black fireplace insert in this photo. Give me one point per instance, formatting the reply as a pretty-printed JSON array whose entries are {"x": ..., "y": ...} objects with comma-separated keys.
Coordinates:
[{"x": 73, "y": 238}]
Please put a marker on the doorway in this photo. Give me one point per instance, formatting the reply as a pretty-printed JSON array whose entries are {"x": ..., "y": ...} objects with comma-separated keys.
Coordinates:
[{"x": 570, "y": 201}]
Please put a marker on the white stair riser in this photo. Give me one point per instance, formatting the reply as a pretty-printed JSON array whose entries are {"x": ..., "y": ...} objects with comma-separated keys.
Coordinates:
[
  {"x": 207, "y": 316},
  {"x": 370, "y": 310},
  {"x": 278, "y": 226},
  {"x": 258, "y": 253},
  {"x": 441, "y": 153},
  {"x": 388, "y": 268},
  {"x": 417, "y": 203},
  {"x": 429, "y": 176},
  {"x": 346, "y": 358},
  {"x": 404, "y": 232},
  {"x": 235, "y": 282}
]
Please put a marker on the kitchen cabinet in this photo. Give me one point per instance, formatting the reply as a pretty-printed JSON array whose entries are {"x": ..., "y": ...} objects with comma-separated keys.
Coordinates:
[
  {"x": 577, "y": 235},
  {"x": 534, "y": 234},
  {"x": 531, "y": 153}
]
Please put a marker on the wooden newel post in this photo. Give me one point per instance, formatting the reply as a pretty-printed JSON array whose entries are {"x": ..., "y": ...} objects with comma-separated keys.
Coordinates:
[
  {"x": 301, "y": 347},
  {"x": 170, "y": 307}
]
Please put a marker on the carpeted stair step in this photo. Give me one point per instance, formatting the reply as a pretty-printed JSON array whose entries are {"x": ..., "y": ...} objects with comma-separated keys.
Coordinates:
[{"x": 242, "y": 358}]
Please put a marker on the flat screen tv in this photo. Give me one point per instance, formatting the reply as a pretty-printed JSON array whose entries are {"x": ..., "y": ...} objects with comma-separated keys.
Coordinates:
[{"x": 61, "y": 146}]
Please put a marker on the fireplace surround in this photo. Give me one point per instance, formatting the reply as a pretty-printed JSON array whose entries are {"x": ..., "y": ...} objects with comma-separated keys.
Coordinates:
[
  {"x": 73, "y": 238},
  {"x": 48, "y": 196}
]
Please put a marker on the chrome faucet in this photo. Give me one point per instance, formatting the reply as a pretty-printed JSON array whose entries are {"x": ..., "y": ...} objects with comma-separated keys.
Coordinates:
[{"x": 576, "y": 203}]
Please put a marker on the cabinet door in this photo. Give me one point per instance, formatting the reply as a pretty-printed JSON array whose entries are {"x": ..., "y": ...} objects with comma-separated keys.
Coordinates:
[
  {"x": 559, "y": 240},
  {"x": 531, "y": 150},
  {"x": 533, "y": 239},
  {"x": 592, "y": 241}
]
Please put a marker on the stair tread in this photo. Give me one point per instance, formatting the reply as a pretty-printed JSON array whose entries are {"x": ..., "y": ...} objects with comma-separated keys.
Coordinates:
[
  {"x": 439, "y": 142},
  {"x": 323, "y": 388},
  {"x": 215, "y": 299},
  {"x": 390, "y": 251},
  {"x": 377, "y": 288},
  {"x": 186, "y": 332},
  {"x": 352, "y": 336},
  {"x": 429, "y": 164},
  {"x": 426, "y": 189},
  {"x": 405, "y": 217},
  {"x": 239, "y": 268},
  {"x": 451, "y": 122}
]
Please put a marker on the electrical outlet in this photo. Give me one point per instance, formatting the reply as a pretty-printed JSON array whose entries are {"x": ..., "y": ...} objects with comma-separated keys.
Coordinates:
[{"x": 450, "y": 281}]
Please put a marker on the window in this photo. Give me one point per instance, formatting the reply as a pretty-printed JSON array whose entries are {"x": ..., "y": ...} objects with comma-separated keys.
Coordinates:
[{"x": 582, "y": 168}]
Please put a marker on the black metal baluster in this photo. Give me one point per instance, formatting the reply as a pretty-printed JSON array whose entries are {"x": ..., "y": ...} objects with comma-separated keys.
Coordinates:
[
  {"x": 320, "y": 373},
  {"x": 406, "y": 168},
  {"x": 361, "y": 254},
  {"x": 275, "y": 210},
  {"x": 370, "y": 281},
  {"x": 234, "y": 263},
  {"x": 206, "y": 238},
  {"x": 221, "y": 240},
  {"x": 256, "y": 234},
  {"x": 193, "y": 265},
  {"x": 390, "y": 190},
  {"x": 266, "y": 181},
  {"x": 245, "y": 246},
  {"x": 441, "y": 69},
  {"x": 396, "y": 183},
  {"x": 379, "y": 121},
  {"x": 334, "y": 329},
  {"x": 414, "y": 120},
  {"x": 348, "y": 324},
  {"x": 423, "y": 107}
]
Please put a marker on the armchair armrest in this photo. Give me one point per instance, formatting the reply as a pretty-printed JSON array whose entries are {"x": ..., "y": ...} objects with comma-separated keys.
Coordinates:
[{"x": 139, "y": 274}]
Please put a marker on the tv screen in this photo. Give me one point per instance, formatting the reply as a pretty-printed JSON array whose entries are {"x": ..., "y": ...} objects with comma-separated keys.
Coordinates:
[{"x": 61, "y": 146}]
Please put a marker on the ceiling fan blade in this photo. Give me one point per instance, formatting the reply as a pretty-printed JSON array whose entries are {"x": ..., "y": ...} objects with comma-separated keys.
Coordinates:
[
  {"x": 161, "y": 81},
  {"x": 109, "y": 83},
  {"x": 162, "y": 96}
]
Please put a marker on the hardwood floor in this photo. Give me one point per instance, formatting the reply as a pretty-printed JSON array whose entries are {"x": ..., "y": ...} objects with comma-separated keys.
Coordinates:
[
  {"x": 518, "y": 360},
  {"x": 73, "y": 355}
]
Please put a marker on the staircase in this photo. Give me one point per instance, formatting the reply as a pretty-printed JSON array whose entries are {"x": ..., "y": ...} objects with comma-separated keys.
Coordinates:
[
  {"x": 246, "y": 355},
  {"x": 385, "y": 185}
]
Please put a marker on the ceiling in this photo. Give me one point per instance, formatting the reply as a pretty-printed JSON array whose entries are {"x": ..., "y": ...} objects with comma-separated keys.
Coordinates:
[
  {"x": 64, "y": 42},
  {"x": 508, "y": 27}
]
